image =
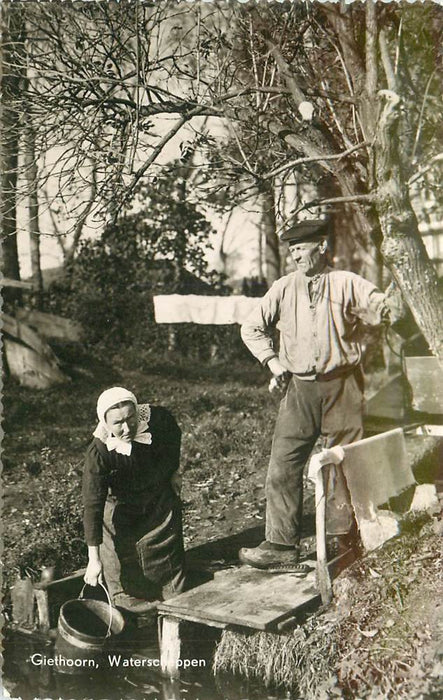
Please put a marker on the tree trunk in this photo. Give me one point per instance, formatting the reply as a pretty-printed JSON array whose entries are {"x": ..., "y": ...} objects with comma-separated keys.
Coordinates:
[
  {"x": 271, "y": 241},
  {"x": 10, "y": 85},
  {"x": 402, "y": 248},
  {"x": 260, "y": 256},
  {"x": 364, "y": 78},
  {"x": 69, "y": 254},
  {"x": 363, "y": 227},
  {"x": 359, "y": 224},
  {"x": 315, "y": 142},
  {"x": 33, "y": 208}
]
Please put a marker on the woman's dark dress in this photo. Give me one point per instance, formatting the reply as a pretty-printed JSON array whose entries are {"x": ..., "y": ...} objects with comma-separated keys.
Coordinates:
[{"x": 131, "y": 510}]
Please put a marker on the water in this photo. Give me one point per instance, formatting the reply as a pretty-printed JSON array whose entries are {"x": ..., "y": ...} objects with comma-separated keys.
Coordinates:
[{"x": 27, "y": 675}]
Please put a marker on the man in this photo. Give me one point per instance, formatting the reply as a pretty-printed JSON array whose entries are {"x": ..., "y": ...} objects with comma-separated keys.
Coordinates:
[{"x": 317, "y": 311}]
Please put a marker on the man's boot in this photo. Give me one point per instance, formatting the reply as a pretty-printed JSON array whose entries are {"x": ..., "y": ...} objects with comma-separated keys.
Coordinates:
[{"x": 274, "y": 557}]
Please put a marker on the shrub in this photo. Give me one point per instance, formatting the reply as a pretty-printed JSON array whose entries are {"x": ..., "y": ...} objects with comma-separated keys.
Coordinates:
[{"x": 160, "y": 248}]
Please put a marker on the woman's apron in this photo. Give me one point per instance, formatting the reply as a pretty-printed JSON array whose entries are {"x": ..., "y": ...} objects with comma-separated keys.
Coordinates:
[{"x": 142, "y": 550}]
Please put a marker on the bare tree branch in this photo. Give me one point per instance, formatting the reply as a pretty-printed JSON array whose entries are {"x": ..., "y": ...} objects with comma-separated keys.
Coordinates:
[
  {"x": 78, "y": 230},
  {"x": 301, "y": 161},
  {"x": 156, "y": 152},
  {"x": 367, "y": 198},
  {"x": 424, "y": 169},
  {"x": 386, "y": 61},
  {"x": 420, "y": 119}
]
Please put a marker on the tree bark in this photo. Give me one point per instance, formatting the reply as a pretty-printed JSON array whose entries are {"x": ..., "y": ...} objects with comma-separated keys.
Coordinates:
[
  {"x": 364, "y": 78},
  {"x": 33, "y": 208},
  {"x": 315, "y": 142},
  {"x": 402, "y": 248},
  {"x": 269, "y": 230},
  {"x": 400, "y": 242},
  {"x": 9, "y": 127},
  {"x": 362, "y": 226}
]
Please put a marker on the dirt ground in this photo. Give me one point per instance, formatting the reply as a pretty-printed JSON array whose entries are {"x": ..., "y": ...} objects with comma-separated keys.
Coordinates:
[{"x": 386, "y": 622}]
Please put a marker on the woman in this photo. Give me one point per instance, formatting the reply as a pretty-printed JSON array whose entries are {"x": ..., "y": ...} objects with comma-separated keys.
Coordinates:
[{"x": 132, "y": 513}]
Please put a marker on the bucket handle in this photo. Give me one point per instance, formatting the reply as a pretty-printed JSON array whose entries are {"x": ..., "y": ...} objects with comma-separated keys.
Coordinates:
[{"x": 108, "y": 633}]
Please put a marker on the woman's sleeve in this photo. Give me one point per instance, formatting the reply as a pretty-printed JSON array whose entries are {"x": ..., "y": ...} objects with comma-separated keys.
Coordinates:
[
  {"x": 95, "y": 489},
  {"x": 168, "y": 433}
]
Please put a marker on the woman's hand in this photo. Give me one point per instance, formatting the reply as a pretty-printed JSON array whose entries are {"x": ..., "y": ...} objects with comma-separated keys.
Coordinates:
[{"x": 94, "y": 570}]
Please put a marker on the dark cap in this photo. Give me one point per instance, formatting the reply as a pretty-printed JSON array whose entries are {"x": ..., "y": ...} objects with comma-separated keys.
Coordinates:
[{"x": 305, "y": 231}]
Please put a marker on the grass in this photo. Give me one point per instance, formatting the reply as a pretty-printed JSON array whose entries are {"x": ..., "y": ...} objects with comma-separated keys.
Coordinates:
[{"x": 300, "y": 661}]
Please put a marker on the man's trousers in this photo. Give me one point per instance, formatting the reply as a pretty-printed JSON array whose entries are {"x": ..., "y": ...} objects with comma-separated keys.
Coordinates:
[{"x": 331, "y": 409}]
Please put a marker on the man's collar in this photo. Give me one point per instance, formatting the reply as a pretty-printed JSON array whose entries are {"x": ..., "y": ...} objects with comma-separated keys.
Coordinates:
[{"x": 316, "y": 277}]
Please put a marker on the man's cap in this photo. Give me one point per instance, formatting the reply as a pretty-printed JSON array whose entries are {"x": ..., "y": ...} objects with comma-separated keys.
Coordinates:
[{"x": 305, "y": 231}]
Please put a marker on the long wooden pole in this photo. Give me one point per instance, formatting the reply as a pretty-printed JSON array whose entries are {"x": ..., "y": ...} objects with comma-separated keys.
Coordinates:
[{"x": 323, "y": 578}]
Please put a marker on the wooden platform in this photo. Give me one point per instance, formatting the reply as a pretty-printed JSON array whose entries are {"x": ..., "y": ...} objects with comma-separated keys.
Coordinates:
[
  {"x": 244, "y": 597},
  {"x": 241, "y": 598}
]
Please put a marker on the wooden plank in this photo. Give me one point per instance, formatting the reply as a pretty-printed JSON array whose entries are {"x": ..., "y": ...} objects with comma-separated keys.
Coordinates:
[
  {"x": 391, "y": 401},
  {"x": 341, "y": 561},
  {"x": 286, "y": 619},
  {"x": 245, "y": 597},
  {"x": 8, "y": 282},
  {"x": 22, "y": 598},
  {"x": 425, "y": 376},
  {"x": 21, "y": 331},
  {"x": 76, "y": 579},
  {"x": 188, "y": 617},
  {"x": 52, "y": 326},
  {"x": 30, "y": 368}
]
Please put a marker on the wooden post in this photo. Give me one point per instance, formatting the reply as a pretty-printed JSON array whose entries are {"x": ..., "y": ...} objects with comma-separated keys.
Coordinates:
[
  {"x": 324, "y": 581},
  {"x": 45, "y": 590},
  {"x": 171, "y": 688},
  {"x": 169, "y": 634},
  {"x": 41, "y": 596}
]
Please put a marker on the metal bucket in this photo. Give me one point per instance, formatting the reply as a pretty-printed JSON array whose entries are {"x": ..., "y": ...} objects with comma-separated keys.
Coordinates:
[{"x": 84, "y": 628}]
